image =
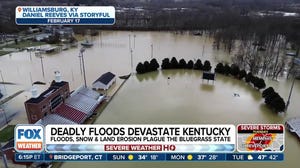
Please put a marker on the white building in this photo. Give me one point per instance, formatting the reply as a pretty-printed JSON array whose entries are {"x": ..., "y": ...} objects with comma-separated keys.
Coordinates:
[{"x": 105, "y": 81}]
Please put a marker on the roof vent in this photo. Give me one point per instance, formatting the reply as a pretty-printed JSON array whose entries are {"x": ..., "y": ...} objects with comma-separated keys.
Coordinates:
[
  {"x": 34, "y": 92},
  {"x": 57, "y": 76}
]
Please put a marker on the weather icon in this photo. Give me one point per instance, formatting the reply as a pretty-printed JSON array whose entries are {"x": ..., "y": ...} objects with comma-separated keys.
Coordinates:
[{"x": 250, "y": 157}]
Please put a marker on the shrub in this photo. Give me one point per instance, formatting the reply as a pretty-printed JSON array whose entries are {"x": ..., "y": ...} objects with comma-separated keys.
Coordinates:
[
  {"x": 242, "y": 74},
  {"x": 267, "y": 92},
  {"x": 166, "y": 64},
  {"x": 226, "y": 69},
  {"x": 206, "y": 66},
  {"x": 234, "y": 70},
  {"x": 219, "y": 68},
  {"x": 174, "y": 63},
  {"x": 182, "y": 64},
  {"x": 154, "y": 64},
  {"x": 190, "y": 64},
  {"x": 198, "y": 65},
  {"x": 140, "y": 68}
]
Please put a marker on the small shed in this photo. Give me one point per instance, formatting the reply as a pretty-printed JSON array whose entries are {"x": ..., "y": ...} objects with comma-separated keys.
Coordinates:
[{"x": 105, "y": 81}]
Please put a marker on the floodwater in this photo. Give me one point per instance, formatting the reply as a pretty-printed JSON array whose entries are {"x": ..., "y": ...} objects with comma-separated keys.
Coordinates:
[
  {"x": 111, "y": 52},
  {"x": 186, "y": 99},
  {"x": 152, "y": 98}
]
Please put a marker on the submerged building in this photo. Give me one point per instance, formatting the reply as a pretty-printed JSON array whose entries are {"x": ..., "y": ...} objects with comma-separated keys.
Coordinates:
[
  {"x": 105, "y": 81},
  {"x": 57, "y": 105},
  {"x": 293, "y": 125},
  {"x": 40, "y": 106}
]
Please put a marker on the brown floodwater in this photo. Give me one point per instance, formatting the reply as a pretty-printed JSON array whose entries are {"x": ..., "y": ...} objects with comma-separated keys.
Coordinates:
[{"x": 152, "y": 98}]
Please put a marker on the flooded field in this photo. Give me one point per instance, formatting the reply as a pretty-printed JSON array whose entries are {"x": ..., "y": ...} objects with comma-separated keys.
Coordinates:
[
  {"x": 111, "y": 52},
  {"x": 152, "y": 98},
  {"x": 185, "y": 99}
]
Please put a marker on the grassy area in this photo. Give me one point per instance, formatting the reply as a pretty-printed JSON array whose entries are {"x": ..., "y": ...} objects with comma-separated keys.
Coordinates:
[
  {"x": 23, "y": 44},
  {"x": 4, "y": 52},
  {"x": 7, "y": 133}
]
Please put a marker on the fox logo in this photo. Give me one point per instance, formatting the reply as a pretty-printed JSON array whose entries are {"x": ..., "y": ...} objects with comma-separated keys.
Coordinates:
[{"x": 29, "y": 138}]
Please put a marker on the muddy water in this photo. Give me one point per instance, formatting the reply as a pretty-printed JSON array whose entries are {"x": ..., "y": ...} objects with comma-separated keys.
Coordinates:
[
  {"x": 152, "y": 98},
  {"x": 184, "y": 98},
  {"x": 111, "y": 52}
]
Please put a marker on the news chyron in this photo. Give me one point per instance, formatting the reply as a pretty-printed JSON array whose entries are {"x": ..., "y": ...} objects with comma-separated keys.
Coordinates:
[{"x": 62, "y": 143}]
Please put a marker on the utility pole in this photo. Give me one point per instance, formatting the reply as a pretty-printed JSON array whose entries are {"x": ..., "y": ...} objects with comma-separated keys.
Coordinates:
[
  {"x": 41, "y": 57},
  {"x": 203, "y": 46},
  {"x": 31, "y": 81},
  {"x": 83, "y": 68},
  {"x": 290, "y": 94},
  {"x": 151, "y": 51},
  {"x": 134, "y": 41},
  {"x": 80, "y": 64},
  {"x": 3, "y": 81},
  {"x": 131, "y": 60},
  {"x": 39, "y": 54},
  {"x": 129, "y": 38}
]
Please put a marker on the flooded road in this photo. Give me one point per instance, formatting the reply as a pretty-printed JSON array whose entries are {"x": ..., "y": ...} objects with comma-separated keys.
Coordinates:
[{"x": 152, "y": 98}]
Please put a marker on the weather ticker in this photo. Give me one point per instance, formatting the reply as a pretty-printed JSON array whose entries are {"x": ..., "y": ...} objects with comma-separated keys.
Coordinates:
[{"x": 168, "y": 143}]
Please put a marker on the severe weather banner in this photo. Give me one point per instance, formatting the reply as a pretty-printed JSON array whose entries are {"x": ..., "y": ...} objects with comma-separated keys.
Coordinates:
[
  {"x": 260, "y": 138},
  {"x": 67, "y": 15},
  {"x": 124, "y": 138},
  {"x": 59, "y": 143}
]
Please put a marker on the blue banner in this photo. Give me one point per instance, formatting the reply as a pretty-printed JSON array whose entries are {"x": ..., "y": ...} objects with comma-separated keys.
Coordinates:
[
  {"x": 149, "y": 157},
  {"x": 65, "y": 15},
  {"x": 67, "y": 21}
]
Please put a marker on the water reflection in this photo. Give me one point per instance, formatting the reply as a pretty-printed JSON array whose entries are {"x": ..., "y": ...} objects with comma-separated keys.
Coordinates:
[
  {"x": 207, "y": 87},
  {"x": 148, "y": 76}
]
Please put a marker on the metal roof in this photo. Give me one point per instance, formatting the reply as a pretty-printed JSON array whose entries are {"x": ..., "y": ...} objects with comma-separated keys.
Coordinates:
[
  {"x": 105, "y": 78},
  {"x": 294, "y": 125},
  {"x": 71, "y": 113},
  {"x": 84, "y": 100},
  {"x": 54, "y": 119}
]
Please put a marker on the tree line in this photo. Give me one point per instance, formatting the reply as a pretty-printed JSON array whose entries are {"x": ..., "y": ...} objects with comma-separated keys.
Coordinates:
[
  {"x": 272, "y": 98},
  {"x": 240, "y": 74},
  {"x": 172, "y": 64}
]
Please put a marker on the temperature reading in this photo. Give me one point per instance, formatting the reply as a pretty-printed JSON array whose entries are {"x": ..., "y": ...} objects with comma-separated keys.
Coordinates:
[
  {"x": 212, "y": 157},
  {"x": 201, "y": 157},
  {"x": 153, "y": 157},
  {"x": 142, "y": 157},
  {"x": 262, "y": 157},
  {"x": 273, "y": 157}
]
